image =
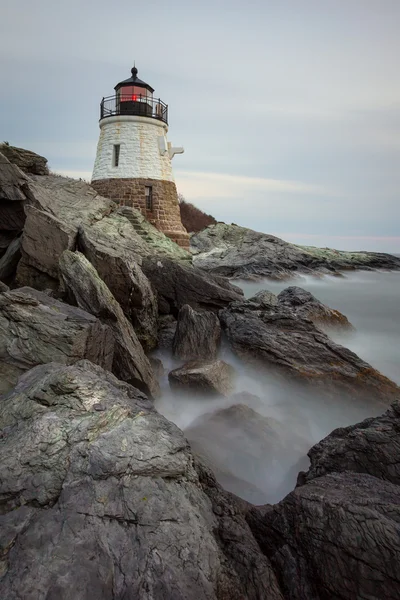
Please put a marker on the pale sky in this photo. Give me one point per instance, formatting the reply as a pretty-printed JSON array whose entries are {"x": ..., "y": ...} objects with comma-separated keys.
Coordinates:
[{"x": 289, "y": 110}]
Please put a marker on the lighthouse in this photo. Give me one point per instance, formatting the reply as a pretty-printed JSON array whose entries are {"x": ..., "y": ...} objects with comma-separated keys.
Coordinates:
[{"x": 133, "y": 163}]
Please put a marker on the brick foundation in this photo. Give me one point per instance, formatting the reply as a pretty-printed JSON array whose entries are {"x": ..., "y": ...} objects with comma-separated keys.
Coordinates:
[{"x": 165, "y": 214}]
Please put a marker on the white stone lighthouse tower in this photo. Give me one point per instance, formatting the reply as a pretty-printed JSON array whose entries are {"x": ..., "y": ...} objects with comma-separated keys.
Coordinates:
[{"x": 133, "y": 161}]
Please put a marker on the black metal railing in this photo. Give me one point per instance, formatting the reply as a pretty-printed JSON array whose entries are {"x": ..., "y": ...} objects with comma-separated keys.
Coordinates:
[{"x": 139, "y": 105}]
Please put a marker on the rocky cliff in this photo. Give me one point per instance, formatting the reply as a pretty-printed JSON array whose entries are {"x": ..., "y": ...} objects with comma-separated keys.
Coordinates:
[{"x": 101, "y": 497}]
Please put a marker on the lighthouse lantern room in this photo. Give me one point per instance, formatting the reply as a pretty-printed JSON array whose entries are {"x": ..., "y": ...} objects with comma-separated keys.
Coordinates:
[{"x": 133, "y": 160}]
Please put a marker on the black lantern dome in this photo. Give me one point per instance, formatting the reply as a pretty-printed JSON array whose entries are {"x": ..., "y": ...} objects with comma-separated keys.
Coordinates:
[
  {"x": 134, "y": 81},
  {"x": 134, "y": 97}
]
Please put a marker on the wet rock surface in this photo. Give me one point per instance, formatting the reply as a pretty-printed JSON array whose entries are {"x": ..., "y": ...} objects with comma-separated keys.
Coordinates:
[
  {"x": 198, "y": 334},
  {"x": 335, "y": 537},
  {"x": 177, "y": 284},
  {"x": 306, "y": 306},
  {"x": 239, "y": 252},
  {"x": 207, "y": 378},
  {"x": 293, "y": 347},
  {"x": 85, "y": 287},
  {"x": 372, "y": 447},
  {"x": 103, "y": 500},
  {"x": 36, "y": 329},
  {"x": 127, "y": 282}
]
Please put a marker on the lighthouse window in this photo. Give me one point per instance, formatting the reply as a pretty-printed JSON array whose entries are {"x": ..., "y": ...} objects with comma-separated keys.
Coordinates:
[
  {"x": 117, "y": 148},
  {"x": 149, "y": 197}
]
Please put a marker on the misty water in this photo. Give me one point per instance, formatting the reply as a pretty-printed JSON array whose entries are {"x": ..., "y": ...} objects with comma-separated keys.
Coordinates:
[{"x": 258, "y": 453}]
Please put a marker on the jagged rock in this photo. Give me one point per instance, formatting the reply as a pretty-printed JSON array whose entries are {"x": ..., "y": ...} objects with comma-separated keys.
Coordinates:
[
  {"x": 207, "y": 378},
  {"x": 27, "y": 161},
  {"x": 252, "y": 455},
  {"x": 178, "y": 284},
  {"x": 36, "y": 329},
  {"x": 372, "y": 447},
  {"x": 6, "y": 237},
  {"x": 166, "y": 332},
  {"x": 13, "y": 195},
  {"x": 84, "y": 285},
  {"x": 3, "y": 287},
  {"x": 240, "y": 252},
  {"x": 265, "y": 299},
  {"x": 335, "y": 537},
  {"x": 295, "y": 348},
  {"x": 125, "y": 279},
  {"x": 10, "y": 260},
  {"x": 57, "y": 207},
  {"x": 307, "y": 306},
  {"x": 101, "y": 498},
  {"x": 198, "y": 334}
]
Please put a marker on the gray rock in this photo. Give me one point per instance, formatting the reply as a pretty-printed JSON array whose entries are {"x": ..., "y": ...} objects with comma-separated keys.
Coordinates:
[
  {"x": 167, "y": 325},
  {"x": 13, "y": 195},
  {"x": 101, "y": 498},
  {"x": 303, "y": 304},
  {"x": 84, "y": 285},
  {"x": 265, "y": 299},
  {"x": 6, "y": 237},
  {"x": 296, "y": 349},
  {"x": 372, "y": 447},
  {"x": 117, "y": 267},
  {"x": 57, "y": 207},
  {"x": 3, "y": 287},
  {"x": 36, "y": 329},
  {"x": 246, "y": 254},
  {"x": 27, "y": 161},
  {"x": 10, "y": 260},
  {"x": 336, "y": 537},
  {"x": 205, "y": 378},
  {"x": 198, "y": 334},
  {"x": 177, "y": 284}
]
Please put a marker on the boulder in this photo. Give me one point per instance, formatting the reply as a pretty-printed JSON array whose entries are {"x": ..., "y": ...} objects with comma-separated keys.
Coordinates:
[
  {"x": 57, "y": 207},
  {"x": 125, "y": 279},
  {"x": 206, "y": 378},
  {"x": 36, "y": 329},
  {"x": 177, "y": 284},
  {"x": 306, "y": 306},
  {"x": 27, "y": 161},
  {"x": 372, "y": 447},
  {"x": 335, "y": 537},
  {"x": 85, "y": 287},
  {"x": 10, "y": 260},
  {"x": 239, "y": 252},
  {"x": 198, "y": 334},
  {"x": 296, "y": 349},
  {"x": 101, "y": 498},
  {"x": 252, "y": 455}
]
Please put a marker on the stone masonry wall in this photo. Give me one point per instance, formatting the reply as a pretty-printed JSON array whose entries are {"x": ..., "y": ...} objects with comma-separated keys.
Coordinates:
[{"x": 165, "y": 213}]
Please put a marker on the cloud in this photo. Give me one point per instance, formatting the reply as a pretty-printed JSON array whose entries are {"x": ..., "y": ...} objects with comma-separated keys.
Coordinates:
[{"x": 197, "y": 184}]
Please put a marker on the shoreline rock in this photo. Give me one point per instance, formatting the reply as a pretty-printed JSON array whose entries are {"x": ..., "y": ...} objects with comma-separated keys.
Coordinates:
[{"x": 241, "y": 253}]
